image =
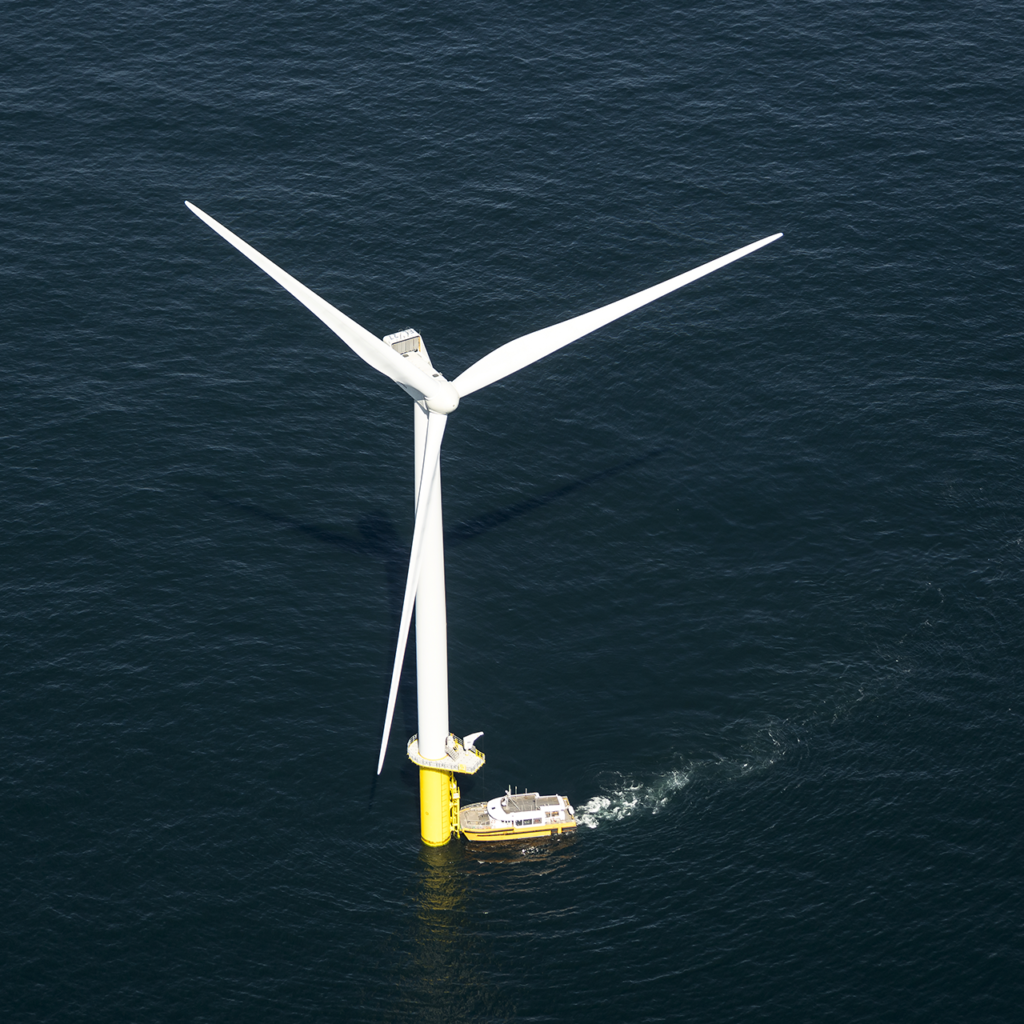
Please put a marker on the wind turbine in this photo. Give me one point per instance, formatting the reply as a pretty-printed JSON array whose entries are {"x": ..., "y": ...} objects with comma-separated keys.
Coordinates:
[{"x": 403, "y": 357}]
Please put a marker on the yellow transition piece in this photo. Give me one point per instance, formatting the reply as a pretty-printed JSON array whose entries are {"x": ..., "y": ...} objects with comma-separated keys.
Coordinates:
[{"x": 436, "y": 787}]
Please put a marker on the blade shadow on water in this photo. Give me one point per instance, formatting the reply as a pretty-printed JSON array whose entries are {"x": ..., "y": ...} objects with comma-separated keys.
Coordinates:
[
  {"x": 469, "y": 529},
  {"x": 377, "y": 537}
]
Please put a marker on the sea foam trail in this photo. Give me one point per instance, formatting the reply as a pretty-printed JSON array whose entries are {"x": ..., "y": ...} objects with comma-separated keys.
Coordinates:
[
  {"x": 631, "y": 798},
  {"x": 753, "y": 747}
]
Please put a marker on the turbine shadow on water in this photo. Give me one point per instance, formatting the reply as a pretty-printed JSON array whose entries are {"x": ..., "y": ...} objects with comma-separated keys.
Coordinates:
[{"x": 377, "y": 537}]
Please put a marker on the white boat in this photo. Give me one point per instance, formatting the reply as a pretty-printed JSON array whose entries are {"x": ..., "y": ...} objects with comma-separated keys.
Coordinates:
[{"x": 516, "y": 815}]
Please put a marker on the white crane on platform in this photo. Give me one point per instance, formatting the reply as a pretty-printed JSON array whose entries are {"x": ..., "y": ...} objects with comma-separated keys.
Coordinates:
[{"x": 403, "y": 357}]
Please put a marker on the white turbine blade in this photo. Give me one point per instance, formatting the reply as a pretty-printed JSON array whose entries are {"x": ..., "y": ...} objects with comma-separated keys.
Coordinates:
[
  {"x": 367, "y": 346},
  {"x": 530, "y": 347},
  {"x": 431, "y": 459}
]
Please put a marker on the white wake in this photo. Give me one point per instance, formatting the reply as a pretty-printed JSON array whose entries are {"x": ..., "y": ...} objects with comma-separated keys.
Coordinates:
[{"x": 632, "y": 797}]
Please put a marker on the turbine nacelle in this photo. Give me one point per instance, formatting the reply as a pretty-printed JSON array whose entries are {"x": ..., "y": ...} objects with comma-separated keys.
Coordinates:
[{"x": 443, "y": 398}]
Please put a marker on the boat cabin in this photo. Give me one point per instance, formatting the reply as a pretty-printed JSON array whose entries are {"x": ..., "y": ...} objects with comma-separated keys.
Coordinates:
[{"x": 522, "y": 809}]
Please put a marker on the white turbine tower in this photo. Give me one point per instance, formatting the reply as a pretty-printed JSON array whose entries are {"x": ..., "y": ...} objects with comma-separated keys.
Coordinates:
[{"x": 404, "y": 359}]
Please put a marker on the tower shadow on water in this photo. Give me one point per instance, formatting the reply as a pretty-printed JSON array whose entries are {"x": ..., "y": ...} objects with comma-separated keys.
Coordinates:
[{"x": 376, "y": 537}]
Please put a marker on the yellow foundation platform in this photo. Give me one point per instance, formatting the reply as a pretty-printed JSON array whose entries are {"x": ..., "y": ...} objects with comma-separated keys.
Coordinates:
[
  {"x": 436, "y": 786},
  {"x": 439, "y": 792}
]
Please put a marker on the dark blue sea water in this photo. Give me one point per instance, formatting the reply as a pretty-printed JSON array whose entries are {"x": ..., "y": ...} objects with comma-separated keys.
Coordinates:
[{"x": 740, "y": 574}]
